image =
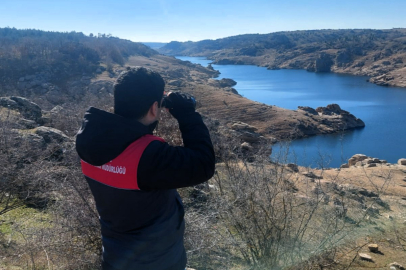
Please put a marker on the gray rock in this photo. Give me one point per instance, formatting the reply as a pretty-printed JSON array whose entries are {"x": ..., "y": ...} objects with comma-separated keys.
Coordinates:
[
  {"x": 293, "y": 167},
  {"x": 308, "y": 109},
  {"x": 397, "y": 266},
  {"x": 35, "y": 141},
  {"x": 51, "y": 134},
  {"x": 371, "y": 165},
  {"x": 402, "y": 161},
  {"x": 8, "y": 103},
  {"x": 373, "y": 247},
  {"x": 243, "y": 126},
  {"x": 344, "y": 166},
  {"x": 27, "y": 124},
  {"x": 26, "y": 108},
  {"x": 365, "y": 257}
]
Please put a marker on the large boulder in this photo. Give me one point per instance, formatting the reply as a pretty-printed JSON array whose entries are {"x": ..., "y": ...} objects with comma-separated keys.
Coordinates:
[
  {"x": 29, "y": 110},
  {"x": 243, "y": 126},
  {"x": 402, "y": 161},
  {"x": 356, "y": 158},
  {"x": 51, "y": 134}
]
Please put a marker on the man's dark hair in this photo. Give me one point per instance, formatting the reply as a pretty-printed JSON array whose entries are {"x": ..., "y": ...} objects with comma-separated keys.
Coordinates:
[{"x": 135, "y": 90}]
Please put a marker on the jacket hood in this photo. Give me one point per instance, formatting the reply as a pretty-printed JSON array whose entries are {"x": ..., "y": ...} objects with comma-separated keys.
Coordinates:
[{"x": 103, "y": 135}]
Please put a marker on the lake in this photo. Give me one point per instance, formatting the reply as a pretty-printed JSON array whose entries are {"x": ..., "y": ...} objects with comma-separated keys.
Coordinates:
[{"x": 383, "y": 109}]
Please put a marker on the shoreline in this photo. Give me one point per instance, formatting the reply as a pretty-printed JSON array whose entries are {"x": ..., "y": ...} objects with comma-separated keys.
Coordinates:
[
  {"x": 208, "y": 61},
  {"x": 382, "y": 79}
]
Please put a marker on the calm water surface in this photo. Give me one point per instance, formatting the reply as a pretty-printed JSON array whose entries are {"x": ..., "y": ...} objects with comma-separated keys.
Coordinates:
[{"x": 383, "y": 109}]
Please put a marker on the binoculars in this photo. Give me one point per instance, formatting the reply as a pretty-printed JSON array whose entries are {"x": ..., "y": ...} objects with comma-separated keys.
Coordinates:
[{"x": 168, "y": 103}]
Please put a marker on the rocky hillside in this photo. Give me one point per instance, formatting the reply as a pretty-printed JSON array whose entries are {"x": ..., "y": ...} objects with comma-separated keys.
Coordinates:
[
  {"x": 37, "y": 62},
  {"x": 379, "y": 54},
  {"x": 252, "y": 122}
]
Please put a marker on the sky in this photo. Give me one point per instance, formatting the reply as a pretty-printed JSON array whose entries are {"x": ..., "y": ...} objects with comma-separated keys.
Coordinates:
[{"x": 194, "y": 20}]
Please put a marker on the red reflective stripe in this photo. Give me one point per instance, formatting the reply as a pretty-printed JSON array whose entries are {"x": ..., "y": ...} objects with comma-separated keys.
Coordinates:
[{"x": 121, "y": 172}]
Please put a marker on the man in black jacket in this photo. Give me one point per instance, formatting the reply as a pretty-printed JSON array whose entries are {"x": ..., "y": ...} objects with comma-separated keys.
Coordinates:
[{"x": 133, "y": 175}]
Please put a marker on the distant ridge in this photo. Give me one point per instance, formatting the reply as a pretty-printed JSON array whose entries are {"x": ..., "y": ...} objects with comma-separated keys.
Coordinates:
[{"x": 380, "y": 54}]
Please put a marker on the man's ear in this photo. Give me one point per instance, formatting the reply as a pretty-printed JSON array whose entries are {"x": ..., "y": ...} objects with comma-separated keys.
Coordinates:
[{"x": 154, "y": 109}]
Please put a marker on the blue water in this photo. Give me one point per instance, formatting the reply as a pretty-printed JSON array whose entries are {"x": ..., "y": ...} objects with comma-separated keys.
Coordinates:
[{"x": 383, "y": 109}]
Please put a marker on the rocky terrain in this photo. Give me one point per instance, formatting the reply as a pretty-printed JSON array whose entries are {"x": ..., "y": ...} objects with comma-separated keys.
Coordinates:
[
  {"x": 47, "y": 214},
  {"x": 378, "y": 54},
  {"x": 218, "y": 100},
  {"x": 79, "y": 72},
  {"x": 367, "y": 193}
]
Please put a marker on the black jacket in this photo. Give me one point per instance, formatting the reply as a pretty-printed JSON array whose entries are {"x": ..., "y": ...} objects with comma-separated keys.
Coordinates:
[{"x": 143, "y": 229}]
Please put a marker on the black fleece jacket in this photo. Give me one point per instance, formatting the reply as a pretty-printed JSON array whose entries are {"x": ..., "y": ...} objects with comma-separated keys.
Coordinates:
[{"x": 143, "y": 229}]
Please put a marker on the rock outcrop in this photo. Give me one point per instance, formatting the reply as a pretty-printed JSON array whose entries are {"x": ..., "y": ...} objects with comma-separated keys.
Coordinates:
[
  {"x": 23, "y": 122},
  {"x": 225, "y": 82},
  {"x": 29, "y": 110},
  {"x": 308, "y": 109},
  {"x": 339, "y": 118},
  {"x": 363, "y": 160},
  {"x": 323, "y": 63},
  {"x": 246, "y": 133},
  {"x": 382, "y": 80}
]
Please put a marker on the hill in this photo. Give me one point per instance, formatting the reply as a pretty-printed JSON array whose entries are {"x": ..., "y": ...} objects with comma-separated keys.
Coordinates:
[
  {"x": 379, "y": 54},
  {"x": 55, "y": 57}
]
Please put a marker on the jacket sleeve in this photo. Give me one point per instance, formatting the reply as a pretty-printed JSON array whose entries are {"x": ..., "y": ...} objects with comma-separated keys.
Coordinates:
[{"x": 168, "y": 167}]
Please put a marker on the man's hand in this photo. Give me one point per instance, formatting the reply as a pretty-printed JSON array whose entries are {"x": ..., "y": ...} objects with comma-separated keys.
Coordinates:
[{"x": 180, "y": 104}]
